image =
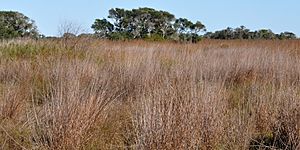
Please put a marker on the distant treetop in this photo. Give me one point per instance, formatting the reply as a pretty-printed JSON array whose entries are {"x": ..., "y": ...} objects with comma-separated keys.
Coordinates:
[
  {"x": 146, "y": 23},
  {"x": 14, "y": 24},
  {"x": 243, "y": 33}
]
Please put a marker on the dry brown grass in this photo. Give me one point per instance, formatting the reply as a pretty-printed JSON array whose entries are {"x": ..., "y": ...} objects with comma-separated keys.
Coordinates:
[{"x": 137, "y": 95}]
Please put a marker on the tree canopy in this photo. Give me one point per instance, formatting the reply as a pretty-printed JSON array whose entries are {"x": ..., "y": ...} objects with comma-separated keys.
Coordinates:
[
  {"x": 243, "y": 33},
  {"x": 15, "y": 24},
  {"x": 146, "y": 23}
]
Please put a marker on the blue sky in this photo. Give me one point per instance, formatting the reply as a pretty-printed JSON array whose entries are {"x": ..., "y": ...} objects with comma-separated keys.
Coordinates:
[{"x": 278, "y": 15}]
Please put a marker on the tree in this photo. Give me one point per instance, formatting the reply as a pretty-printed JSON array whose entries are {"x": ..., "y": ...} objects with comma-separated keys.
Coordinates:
[
  {"x": 198, "y": 27},
  {"x": 146, "y": 23},
  {"x": 15, "y": 24},
  {"x": 142, "y": 22},
  {"x": 163, "y": 23},
  {"x": 286, "y": 35},
  {"x": 183, "y": 25},
  {"x": 119, "y": 17},
  {"x": 243, "y": 33},
  {"x": 187, "y": 30},
  {"x": 266, "y": 34},
  {"x": 102, "y": 27}
]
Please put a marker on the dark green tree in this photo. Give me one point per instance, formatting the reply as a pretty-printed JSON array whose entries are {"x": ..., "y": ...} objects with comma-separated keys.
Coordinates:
[
  {"x": 15, "y": 24},
  {"x": 286, "y": 35},
  {"x": 142, "y": 22},
  {"x": 183, "y": 25},
  {"x": 266, "y": 34},
  {"x": 197, "y": 27},
  {"x": 102, "y": 27},
  {"x": 187, "y": 30},
  {"x": 243, "y": 33},
  {"x": 146, "y": 23}
]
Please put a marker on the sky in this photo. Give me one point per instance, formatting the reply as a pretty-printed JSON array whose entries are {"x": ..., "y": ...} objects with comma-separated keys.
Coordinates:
[{"x": 277, "y": 15}]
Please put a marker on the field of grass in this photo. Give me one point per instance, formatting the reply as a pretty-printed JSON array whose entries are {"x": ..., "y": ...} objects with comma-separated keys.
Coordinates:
[{"x": 93, "y": 94}]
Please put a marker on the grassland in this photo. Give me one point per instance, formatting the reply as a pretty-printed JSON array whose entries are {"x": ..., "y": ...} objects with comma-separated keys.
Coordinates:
[{"x": 92, "y": 94}]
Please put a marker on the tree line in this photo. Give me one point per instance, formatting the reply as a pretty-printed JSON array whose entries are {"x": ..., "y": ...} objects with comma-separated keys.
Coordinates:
[
  {"x": 243, "y": 33},
  {"x": 142, "y": 23}
]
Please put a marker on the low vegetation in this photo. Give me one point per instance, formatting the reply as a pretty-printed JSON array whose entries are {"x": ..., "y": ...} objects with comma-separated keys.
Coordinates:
[{"x": 94, "y": 94}]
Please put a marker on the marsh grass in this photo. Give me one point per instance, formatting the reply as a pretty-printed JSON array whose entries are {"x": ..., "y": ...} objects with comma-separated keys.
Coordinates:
[{"x": 95, "y": 94}]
